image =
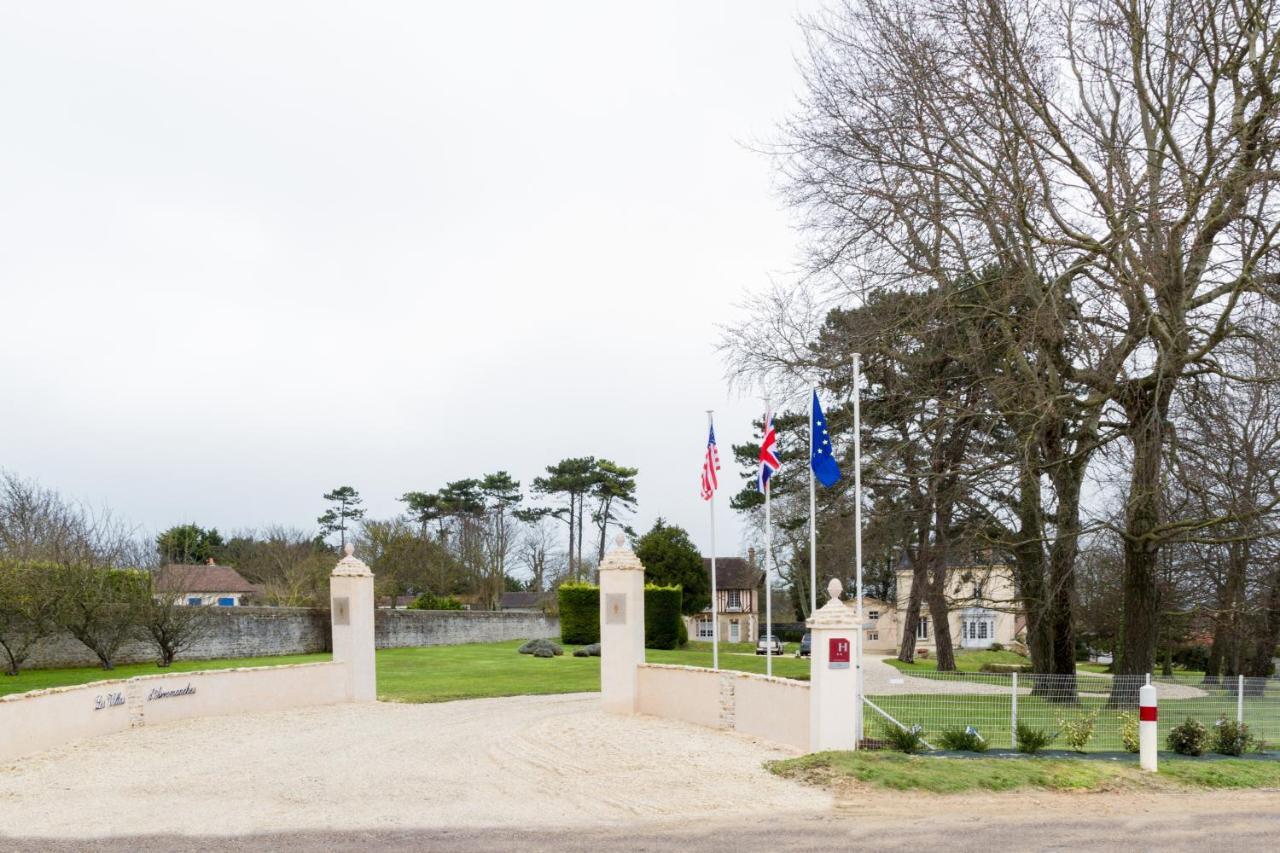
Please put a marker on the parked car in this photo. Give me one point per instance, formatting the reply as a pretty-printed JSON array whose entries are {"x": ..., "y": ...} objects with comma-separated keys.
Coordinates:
[
  {"x": 764, "y": 643},
  {"x": 806, "y": 645}
]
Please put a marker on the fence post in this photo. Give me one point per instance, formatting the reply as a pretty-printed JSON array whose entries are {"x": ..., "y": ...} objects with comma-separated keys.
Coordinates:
[
  {"x": 832, "y": 679},
  {"x": 1148, "y": 739},
  {"x": 621, "y": 627},
  {"x": 1240, "y": 700},
  {"x": 352, "y": 613},
  {"x": 1013, "y": 724}
]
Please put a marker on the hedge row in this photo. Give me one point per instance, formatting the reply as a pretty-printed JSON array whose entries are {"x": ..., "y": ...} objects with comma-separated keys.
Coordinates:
[
  {"x": 579, "y": 613},
  {"x": 664, "y": 627}
]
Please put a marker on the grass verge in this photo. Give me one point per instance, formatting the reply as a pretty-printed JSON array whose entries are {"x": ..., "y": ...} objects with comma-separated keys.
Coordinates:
[{"x": 899, "y": 772}]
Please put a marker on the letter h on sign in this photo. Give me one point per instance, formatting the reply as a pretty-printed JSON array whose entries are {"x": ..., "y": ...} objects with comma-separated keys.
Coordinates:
[{"x": 838, "y": 653}]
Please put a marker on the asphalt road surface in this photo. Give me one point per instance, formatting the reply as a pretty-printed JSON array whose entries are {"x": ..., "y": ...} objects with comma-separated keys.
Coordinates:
[{"x": 1204, "y": 829}]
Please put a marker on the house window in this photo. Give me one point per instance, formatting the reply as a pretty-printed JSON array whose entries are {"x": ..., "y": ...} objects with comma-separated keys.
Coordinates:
[
  {"x": 873, "y": 614},
  {"x": 977, "y": 589},
  {"x": 735, "y": 599},
  {"x": 982, "y": 630},
  {"x": 735, "y": 631},
  {"x": 226, "y": 601},
  {"x": 922, "y": 629},
  {"x": 705, "y": 631},
  {"x": 195, "y": 601},
  {"x": 873, "y": 635}
]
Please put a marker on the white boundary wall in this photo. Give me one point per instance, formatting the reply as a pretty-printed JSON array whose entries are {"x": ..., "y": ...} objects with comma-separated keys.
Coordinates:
[
  {"x": 42, "y": 719},
  {"x": 774, "y": 709}
]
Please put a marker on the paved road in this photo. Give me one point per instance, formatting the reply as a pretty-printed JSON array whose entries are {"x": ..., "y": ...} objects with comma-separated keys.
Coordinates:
[{"x": 1203, "y": 829}]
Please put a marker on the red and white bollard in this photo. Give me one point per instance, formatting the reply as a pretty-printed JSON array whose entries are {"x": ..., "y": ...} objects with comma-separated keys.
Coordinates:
[{"x": 1148, "y": 740}]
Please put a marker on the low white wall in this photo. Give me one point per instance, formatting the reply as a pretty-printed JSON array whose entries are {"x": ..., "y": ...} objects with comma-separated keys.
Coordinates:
[
  {"x": 42, "y": 719},
  {"x": 679, "y": 693},
  {"x": 774, "y": 709}
]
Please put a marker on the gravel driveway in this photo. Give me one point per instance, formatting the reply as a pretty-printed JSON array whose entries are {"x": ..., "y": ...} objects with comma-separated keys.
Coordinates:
[{"x": 522, "y": 762}]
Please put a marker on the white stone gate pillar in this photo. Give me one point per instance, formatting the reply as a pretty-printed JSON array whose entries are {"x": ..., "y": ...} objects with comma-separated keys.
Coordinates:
[
  {"x": 351, "y": 605},
  {"x": 833, "y": 697},
  {"x": 621, "y": 627}
]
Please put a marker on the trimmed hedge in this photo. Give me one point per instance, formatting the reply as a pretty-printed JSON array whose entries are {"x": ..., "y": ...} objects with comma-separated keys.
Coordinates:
[
  {"x": 579, "y": 613},
  {"x": 664, "y": 627},
  {"x": 662, "y": 618}
]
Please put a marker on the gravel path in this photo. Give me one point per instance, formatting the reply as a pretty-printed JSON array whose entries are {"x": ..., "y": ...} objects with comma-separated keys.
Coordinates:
[{"x": 520, "y": 762}]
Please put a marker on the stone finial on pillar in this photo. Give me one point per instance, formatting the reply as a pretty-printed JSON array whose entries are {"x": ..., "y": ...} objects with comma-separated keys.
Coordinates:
[
  {"x": 832, "y": 677},
  {"x": 621, "y": 627},
  {"x": 352, "y": 613}
]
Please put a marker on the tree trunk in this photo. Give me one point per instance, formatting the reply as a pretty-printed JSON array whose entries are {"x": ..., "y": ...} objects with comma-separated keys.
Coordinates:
[
  {"x": 1146, "y": 411},
  {"x": 1268, "y": 636},
  {"x": 939, "y": 614},
  {"x": 1067, "y": 478},
  {"x": 911, "y": 621},
  {"x": 573, "y": 570},
  {"x": 1028, "y": 561}
]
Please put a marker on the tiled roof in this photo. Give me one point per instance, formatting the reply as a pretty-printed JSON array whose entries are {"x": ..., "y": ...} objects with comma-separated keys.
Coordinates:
[
  {"x": 521, "y": 600},
  {"x": 734, "y": 573},
  {"x": 184, "y": 578}
]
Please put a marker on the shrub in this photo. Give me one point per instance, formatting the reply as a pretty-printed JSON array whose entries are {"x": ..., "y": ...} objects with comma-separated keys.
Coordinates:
[
  {"x": 996, "y": 647},
  {"x": 1032, "y": 740},
  {"x": 1231, "y": 738},
  {"x": 533, "y": 647},
  {"x": 684, "y": 634},
  {"x": 1194, "y": 656},
  {"x": 427, "y": 601},
  {"x": 579, "y": 613},
  {"x": 964, "y": 739},
  {"x": 662, "y": 617},
  {"x": 909, "y": 740},
  {"x": 1005, "y": 667},
  {"x": 1129, "y": 732},
  {"x": 1189, "y": 738},
  {"x": 1078, "y": 732}
]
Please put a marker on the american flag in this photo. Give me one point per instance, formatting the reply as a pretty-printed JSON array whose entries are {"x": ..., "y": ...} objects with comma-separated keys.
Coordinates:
[
  {"x": 769, "y": 462},
  {"x": 710, "y": 465}
]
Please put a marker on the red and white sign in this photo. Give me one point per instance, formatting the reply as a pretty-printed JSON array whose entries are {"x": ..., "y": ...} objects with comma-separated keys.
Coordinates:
[{"x": 838, "y": 653}]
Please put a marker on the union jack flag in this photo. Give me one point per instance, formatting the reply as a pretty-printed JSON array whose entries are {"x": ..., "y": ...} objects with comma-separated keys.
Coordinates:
[
  {"x": 710, "y": 465},
  {"x": 769, "y": 462}
]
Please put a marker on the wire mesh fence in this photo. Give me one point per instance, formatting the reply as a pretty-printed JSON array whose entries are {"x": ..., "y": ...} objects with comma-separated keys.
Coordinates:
[{"x": 1087, "y": 712}]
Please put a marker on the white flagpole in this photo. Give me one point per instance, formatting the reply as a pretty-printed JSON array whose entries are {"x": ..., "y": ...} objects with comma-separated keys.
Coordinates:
[
  {"x": 768, "y": 566},
  {"x": 857, "y": 534},
  {"x": 813, "y": 516},
  {"x": 715, "y": 615}
]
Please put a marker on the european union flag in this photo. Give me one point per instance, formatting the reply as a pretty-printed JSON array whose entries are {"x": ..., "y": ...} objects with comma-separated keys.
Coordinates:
[{"x": 820, "y": 456}]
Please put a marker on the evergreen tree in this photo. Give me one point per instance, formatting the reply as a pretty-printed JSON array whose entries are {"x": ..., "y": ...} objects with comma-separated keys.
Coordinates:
[
  {"x": 347, "y": 509},
  {"x": 671, "y": 559}
]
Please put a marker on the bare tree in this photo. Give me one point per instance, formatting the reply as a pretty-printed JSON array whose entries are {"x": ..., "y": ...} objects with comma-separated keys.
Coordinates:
[
  {"x": 29, "y": 602},
  {"x": 166, "y": 620},
  {"x": 1115, "y": 157}
]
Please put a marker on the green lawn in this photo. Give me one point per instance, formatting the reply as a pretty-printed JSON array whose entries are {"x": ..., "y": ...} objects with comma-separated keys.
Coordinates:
[
  {"x": 966, "y": 661},
  {"x": 441, "y": 673},
  {"x": 990, "y": 715},
  {"x": 950, "y": 776},
  {"x": 39, "y": 679}
]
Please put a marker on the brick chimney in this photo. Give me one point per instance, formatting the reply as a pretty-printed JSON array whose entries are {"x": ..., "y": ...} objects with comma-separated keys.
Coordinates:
[{"x": 751, "y": 557}]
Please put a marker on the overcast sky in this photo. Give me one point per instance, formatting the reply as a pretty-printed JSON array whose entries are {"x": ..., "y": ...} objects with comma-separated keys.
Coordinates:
[{"x": 250, "y": 251}]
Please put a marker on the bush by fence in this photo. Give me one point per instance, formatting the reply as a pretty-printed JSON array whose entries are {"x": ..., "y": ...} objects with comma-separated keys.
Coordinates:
[{"x": 1085, "y": 712}]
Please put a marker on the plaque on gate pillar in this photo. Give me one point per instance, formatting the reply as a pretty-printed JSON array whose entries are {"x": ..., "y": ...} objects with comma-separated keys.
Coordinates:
[{"x": 615, "y": 608}]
